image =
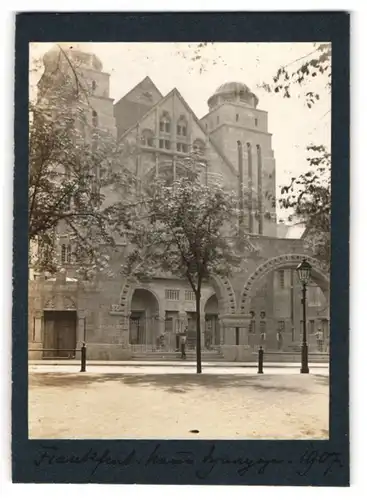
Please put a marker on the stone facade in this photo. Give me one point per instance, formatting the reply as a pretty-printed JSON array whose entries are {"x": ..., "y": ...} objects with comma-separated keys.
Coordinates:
[{"x": 115, "y": 315}]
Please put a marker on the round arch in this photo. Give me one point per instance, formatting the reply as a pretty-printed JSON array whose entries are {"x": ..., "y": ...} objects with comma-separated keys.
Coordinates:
[
  {"x": 128, "y": 293},
  {"x": 211, "y": 303},
  {"x": 222, "y": 288},
  {"x": 319, "y": 274},
  {"x": 225, "y": 294}
]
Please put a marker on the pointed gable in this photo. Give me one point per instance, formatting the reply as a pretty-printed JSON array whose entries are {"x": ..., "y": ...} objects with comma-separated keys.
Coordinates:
[
  {"x": 174, "y": 106},
  {"x": 135, "y": 104}
]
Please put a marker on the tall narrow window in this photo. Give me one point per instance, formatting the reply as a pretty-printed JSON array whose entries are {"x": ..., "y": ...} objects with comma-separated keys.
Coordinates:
[
  {"x": 282, "y": 279},
  {"x": 250, "y": 187},
  {"x": 217, "y": 119},
  {"x": 181, "y": 128},
  {"x": 252, "y": 327},
  {"x": 237, "y": 117},
  {"x": 260, "y": 189},
  {"x": 65, "y": 254},
  {"x": 256, "y": 122},
  {"x": 95, "y": 118},
  {"x": 94, "y": 85},
  {"x": 165, "y": 124}
]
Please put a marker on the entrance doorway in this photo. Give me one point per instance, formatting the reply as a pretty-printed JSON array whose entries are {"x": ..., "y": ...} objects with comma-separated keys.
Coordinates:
[
  {"x": 144, "y": 320},
  {"x": 59, "y": 334},
  {"x": 212, "y": 333}
]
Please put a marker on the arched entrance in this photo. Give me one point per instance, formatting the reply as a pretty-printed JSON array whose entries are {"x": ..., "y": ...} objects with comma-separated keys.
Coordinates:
[
  {"x": 272, "y": 297},
  {"x": 144, "y": 318},
  {"x": 212, "y": 333}
]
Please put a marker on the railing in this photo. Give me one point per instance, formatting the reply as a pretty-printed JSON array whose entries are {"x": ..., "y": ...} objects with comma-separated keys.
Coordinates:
[{"x": 82, "y": 350}]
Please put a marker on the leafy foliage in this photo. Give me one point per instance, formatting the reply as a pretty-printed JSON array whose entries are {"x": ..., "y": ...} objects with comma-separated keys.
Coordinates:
[
  {"x": 72, "y": 164},
  {"x": 314, "y": 64},
  {"x": 185, "y": 230},
  {"x": 309, "y": 197}
]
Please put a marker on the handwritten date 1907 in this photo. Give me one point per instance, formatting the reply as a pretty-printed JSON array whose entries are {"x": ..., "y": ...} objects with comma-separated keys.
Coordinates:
[{"x": 203, "y": 465}]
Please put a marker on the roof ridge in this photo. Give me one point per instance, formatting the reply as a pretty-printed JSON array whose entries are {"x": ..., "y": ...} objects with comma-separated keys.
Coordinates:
[{"x": 137, "y": 85}]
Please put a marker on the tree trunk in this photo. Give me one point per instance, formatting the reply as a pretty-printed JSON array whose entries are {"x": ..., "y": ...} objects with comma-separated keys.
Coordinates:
[{"x": 198, "y": 330}]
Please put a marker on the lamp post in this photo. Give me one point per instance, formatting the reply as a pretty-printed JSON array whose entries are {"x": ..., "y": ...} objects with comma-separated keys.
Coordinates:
[{"x": 304, "y": 273}]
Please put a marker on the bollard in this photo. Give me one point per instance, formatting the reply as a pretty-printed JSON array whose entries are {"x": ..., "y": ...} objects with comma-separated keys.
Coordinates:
[
  {"x": 83, "y": 357},
  {"x": 261, "y": 360}
]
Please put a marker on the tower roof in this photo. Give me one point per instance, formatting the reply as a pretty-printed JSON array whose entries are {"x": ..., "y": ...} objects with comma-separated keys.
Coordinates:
[
  {"x": 231, "y": 91},
  {"x": 79, "y": 52}
]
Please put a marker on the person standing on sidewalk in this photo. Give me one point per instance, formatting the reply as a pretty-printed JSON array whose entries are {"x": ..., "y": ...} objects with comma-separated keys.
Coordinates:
[{"x": 183, "y": 339}]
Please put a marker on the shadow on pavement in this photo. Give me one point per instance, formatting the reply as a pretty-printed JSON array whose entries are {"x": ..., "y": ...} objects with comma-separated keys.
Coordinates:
[{"x": 182, "y": 383}]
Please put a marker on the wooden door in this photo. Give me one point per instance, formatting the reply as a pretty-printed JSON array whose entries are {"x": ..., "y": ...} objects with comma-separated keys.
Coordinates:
[{"x": 59, "y": 334}]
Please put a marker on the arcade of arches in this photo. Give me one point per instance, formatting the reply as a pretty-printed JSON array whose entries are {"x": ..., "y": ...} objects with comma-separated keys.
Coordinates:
[
  {"x": 119, "y": 321},
  {"x": 240, "y": 310}
]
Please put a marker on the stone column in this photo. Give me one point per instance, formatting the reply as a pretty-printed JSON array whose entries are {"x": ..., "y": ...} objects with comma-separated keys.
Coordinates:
[
  {"x": 125, "y": 330},
  {"x": 221, "y": 331}
]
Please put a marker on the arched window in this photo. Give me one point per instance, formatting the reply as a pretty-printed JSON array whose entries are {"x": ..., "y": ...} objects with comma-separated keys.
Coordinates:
[
  {"x": 94, "y": 86},
  {"x": 198, "y": 147},
  {"x": 147, "y": 138},
  {"x": 165, "y": 123},
  {"x": 182, "y": 127}
]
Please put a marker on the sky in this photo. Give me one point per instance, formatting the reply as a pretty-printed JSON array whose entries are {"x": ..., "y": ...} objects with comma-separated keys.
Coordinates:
[{"x": 293, "y": 126}]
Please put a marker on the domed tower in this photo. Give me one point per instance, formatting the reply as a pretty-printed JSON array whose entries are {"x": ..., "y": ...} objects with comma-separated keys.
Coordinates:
[
  {"x": 79, "y": 63},
  {"x": 234, "y": 92},
  {"x": 240, "y": 130}
]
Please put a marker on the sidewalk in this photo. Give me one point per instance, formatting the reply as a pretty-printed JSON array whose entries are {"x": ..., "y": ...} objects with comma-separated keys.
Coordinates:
[{"x": 171, "y": 363}]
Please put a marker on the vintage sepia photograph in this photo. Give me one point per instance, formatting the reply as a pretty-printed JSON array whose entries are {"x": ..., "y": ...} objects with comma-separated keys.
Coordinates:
[{"x": 179, "y": 206}]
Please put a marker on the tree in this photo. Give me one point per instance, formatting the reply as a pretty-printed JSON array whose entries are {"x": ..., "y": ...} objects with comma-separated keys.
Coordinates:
[
  {"x": 184, "y": 231},
  {"x": 309, "y": 195},
  {"x": 300, "y": 75},
  {"x": 72, "y": 165},
  {"x": 309, "y": 198}
]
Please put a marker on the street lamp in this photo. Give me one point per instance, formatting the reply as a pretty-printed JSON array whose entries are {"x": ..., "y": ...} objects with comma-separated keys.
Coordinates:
[{"x": 304, "y": 273}]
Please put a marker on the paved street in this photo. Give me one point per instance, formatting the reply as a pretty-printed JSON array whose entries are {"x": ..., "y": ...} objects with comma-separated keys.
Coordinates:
[{"x": 112, "y": 401}]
